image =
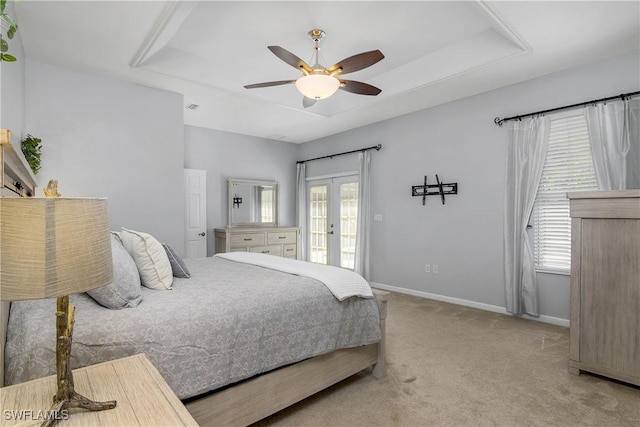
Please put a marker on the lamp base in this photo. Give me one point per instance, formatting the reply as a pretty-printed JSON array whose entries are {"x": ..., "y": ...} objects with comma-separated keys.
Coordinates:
[
  {"x": 66, "y": 397},
  {"x": 75, "y": 400}
]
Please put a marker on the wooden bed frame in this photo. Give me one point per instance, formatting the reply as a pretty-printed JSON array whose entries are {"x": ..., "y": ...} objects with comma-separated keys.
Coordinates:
[{"x": 256, "y": 398}]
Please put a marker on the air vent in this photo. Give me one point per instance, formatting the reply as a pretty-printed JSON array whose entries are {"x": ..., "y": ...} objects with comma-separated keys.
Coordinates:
[{"x": 192, "y": 107}]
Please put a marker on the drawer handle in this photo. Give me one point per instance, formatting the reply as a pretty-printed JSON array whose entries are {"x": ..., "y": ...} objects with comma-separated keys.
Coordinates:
[
  {"x": 265, "y": 252},
  {"x": 282, "y": 237},
  {"x": 248, "y": 240},
  {"x": 289, "y": 250}
]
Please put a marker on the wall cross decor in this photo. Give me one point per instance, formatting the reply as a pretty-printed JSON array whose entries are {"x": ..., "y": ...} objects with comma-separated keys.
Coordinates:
[{"x": 442, "y": 189}]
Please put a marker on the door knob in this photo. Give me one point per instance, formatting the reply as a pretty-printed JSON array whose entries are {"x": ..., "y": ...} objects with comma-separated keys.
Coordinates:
[{"x": 202, "y": 234}]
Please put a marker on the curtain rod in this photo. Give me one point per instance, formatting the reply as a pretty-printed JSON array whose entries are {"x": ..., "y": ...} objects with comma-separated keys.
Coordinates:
[
  {"x": 499, "y": 121},
  {"x": 375, "y": 147}
]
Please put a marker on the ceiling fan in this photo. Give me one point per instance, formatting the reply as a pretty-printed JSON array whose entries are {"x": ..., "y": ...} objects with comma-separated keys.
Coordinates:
[{"x": 319, "y": 82}]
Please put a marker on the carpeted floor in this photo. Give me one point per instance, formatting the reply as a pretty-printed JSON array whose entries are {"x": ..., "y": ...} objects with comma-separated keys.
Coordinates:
[{"x": 450, "y": 365}]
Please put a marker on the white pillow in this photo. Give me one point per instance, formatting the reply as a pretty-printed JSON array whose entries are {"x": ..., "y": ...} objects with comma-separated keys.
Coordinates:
[{"x": 150, "y": 258}]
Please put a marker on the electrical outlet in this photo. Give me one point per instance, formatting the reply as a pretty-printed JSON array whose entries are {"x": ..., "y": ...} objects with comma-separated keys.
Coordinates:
[
  {"x": 434, "y": 268},
  {"x": 427, "y": 268}
]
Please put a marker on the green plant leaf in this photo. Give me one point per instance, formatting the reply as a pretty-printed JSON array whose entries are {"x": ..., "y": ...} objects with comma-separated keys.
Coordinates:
[
  {"x": 31, "y": 146},
  {"x": 9, "y": 20},
  {"x": 12, "y": 31},
  {"x": 3, "y": 3},
  {"x": 4, "y": 46},
  {"x": 8, "y": 58}
]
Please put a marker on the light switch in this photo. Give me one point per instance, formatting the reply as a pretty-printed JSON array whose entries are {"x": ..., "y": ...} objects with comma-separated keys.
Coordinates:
[{"x": 377, "y": 217}]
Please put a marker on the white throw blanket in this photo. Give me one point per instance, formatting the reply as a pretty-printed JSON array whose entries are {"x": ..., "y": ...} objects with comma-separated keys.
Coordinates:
[{"x": 341, "y": 282}]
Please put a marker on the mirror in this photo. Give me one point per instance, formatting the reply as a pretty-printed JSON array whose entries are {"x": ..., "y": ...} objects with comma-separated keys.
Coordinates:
[{"x": 252, "y": 203}]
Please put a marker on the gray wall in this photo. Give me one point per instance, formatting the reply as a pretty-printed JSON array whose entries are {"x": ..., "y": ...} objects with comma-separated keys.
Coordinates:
[
  {"x": 459, "y": 142},
  {"x": 227, "y": 155},
  {"x": 106, "y": 138}
]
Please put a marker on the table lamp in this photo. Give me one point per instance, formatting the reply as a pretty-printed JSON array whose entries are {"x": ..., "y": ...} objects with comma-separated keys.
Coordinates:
[{"x": 54, "y": 247}]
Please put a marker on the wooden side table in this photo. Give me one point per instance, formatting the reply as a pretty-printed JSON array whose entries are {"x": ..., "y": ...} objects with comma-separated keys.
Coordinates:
[{"x": 144, "y": 398}]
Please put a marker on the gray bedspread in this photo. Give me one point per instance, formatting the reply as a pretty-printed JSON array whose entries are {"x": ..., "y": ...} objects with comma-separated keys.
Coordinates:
[{"x": 228, "y": 322}]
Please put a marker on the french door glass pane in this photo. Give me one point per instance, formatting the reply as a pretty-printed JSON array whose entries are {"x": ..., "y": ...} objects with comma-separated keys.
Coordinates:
[
  {"x": 318, "y": 224},
  {"x": 348, "y": 222}
]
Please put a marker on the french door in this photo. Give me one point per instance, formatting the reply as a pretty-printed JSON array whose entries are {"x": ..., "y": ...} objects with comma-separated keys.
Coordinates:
[{"x": 332, "y": 219}]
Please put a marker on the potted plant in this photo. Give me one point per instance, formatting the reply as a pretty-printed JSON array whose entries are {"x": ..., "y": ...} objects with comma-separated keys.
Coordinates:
[
  {"x": 31, "y": 149},
  {"x": 10, "y": 26}
]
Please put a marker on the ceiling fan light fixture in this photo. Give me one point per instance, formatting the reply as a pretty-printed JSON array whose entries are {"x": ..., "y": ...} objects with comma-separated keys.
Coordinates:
[
  {"x": 317, "y": 86},
  {"x": 319, "y": 82}
]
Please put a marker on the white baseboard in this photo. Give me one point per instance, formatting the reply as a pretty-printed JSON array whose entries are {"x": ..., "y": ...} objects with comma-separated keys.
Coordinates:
[{"x": 467, "y": 303}]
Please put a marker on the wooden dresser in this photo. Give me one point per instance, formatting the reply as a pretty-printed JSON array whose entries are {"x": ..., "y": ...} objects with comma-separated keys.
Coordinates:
[
  {"x": 280, "y": 241},
  {"x": 605, "y": 284}
]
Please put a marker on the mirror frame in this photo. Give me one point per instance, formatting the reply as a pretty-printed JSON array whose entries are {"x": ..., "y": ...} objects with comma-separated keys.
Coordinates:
[{"x": 231, "y": 223}]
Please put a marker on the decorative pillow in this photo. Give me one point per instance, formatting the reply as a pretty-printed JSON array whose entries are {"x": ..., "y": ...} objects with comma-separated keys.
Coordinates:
[
  {"x": 150, "y": 258},
  {"x": 125, "y": 290},
  {"x": 117, "y": 234},
  {"x": 178, "y": 267}
]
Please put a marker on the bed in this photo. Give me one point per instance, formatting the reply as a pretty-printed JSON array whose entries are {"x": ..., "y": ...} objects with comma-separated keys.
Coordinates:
[{"x": 219, "y": 338}]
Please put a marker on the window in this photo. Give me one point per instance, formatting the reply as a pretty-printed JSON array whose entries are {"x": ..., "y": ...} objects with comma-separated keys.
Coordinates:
[{"x": 568, "y": 167}]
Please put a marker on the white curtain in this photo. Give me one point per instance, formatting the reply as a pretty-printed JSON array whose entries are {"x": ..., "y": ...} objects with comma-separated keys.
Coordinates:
[
  {"x": 301, "y": 209},
  {"x": 364, "y": 213},
  {"x": 614, "y": 138},
  {"x": 526, "y": 153}
]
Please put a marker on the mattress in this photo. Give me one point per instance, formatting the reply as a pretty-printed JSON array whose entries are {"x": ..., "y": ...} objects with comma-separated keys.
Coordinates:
[{"x": 228, "y": 322}]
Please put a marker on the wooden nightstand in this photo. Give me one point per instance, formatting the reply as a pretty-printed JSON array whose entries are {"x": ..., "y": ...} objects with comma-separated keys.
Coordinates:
[{"x": 144, "y": 398}]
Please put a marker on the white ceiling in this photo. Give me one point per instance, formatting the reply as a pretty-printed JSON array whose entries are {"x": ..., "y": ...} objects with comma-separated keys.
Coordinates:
[{"x": 435, "y": 52}]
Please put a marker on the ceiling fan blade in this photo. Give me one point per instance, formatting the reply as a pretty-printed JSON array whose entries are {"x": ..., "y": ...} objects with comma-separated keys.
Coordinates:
[
  {"x": 356, "y": 62},
  {"x": 290, "y": 58},
  {"x": 268, "y": 84},
  {"x": 307, "y": 102},
  {"x": 359, "y": 87}
]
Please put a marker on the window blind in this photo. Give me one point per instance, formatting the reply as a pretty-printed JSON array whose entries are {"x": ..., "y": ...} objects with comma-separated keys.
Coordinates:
[{"x": 568, "y": 167}]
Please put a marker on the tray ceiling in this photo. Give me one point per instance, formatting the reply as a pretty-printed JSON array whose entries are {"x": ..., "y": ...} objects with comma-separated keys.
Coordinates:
[{"x": 435, "y": 52}]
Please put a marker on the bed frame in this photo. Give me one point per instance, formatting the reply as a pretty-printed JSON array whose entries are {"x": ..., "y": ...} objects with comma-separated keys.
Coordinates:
[{"x": 256, "y": 398}]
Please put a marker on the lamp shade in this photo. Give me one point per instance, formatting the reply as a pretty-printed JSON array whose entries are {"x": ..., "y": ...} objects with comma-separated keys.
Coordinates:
[
  {"x": 52, "y": 247},
  {"x": 317, "y": 86}
]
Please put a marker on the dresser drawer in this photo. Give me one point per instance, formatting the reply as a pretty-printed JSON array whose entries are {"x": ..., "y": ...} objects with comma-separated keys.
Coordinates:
[
  {"x": 281, "y": 237},
  {"x": 290, "y": 251},
  {"x": 247, "y": 239},
  {"x": 271, "y": 250}
]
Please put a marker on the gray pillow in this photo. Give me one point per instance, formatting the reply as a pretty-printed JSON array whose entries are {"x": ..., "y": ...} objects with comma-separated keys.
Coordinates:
[
  {"x": 178, "y": 267},
  {"x": 125, "y": 291}
]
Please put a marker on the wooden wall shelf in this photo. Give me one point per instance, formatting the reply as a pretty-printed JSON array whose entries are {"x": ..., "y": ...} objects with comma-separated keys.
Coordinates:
[{"x": 15, "y": 168}]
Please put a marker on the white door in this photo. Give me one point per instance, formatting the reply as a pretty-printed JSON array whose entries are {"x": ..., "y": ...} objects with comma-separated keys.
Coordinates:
[
  {"x": 332, "y": 218},
  {"x": 195, "y": 185}
]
